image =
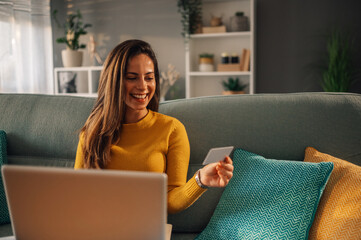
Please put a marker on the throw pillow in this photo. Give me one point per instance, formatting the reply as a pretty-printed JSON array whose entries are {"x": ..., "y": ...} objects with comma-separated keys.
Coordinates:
[
  {"x": 339, "y": 213},
  {"x": 4, "y": 212},
  {"x": 268, "y": 199}
]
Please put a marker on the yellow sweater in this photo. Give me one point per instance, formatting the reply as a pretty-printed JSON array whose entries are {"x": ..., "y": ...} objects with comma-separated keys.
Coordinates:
[{"x": 157, "y": 143}]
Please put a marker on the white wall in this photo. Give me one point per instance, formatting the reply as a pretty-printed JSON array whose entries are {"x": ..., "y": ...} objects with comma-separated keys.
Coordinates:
[{"x": 155, "y": 21}]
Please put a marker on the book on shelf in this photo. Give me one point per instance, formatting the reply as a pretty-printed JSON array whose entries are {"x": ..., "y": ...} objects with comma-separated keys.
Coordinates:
[
  {"x": 229, "y": 67},
  {"x": 245, "y": 59},
  {"x": 218, "y": 29}
]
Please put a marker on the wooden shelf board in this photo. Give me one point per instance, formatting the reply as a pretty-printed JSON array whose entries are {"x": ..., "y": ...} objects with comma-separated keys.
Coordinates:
[
  {"x": 91, "y": 68},
  {"x": 233, "y": 73},
  {"x": 227, "y": 34}
]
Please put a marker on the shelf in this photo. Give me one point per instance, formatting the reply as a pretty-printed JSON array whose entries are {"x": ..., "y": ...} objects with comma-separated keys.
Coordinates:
[
  {"x": 79, "y": 94},
  {"x": 209, "y": 83},
  {"x": 78, "y": 69},
  {"x": 219, "y": 1},
  {"x": 234, "y": 73},
  {"x": 226, "y": 34},
  {"x": 86, "y": 76}
]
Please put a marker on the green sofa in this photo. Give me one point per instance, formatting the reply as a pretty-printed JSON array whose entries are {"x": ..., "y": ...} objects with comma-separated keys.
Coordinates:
[{"x": 43, "y": 130}]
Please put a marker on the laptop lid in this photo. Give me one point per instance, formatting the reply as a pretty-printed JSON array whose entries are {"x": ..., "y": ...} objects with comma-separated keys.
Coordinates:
[{"x": 60, "y": 203}]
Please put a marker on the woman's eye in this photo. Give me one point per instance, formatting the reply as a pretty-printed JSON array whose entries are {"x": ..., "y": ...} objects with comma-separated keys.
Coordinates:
[
  {"x": 149, "y": 79},
  {"x": 131, "y": 78}
]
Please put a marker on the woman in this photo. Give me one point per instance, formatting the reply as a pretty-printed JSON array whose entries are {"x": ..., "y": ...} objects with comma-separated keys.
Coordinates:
[{"x": 124, "y": 130}]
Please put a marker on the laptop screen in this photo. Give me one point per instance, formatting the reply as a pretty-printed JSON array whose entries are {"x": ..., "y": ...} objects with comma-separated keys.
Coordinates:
[{"x": 60, "y": 203}]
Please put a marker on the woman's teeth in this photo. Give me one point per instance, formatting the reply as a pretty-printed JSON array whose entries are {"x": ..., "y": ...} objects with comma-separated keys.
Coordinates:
[{"x": 140, "y": 96}]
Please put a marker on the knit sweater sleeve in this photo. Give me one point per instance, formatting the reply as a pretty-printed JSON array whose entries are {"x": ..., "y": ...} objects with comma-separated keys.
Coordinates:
[
  {"x": 181, "y": 194},
  {"x": 79, "y": 159}
]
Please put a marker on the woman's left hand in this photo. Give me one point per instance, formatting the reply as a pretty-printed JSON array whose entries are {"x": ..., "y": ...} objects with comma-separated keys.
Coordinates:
[{"x": 217, "y": 174}]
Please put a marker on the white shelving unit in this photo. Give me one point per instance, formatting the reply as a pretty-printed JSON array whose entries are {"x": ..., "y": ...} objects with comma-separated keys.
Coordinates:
[
  {"x": 85, "y": 80},
  {"x": 209, "y": 83}
]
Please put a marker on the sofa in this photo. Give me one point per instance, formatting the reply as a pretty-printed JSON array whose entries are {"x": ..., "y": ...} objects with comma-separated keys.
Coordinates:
[{"x": 43, "y": 130}]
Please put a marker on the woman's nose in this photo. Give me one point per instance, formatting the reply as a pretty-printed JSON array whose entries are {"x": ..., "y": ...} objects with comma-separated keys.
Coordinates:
[{"x": 142, "y": 84}]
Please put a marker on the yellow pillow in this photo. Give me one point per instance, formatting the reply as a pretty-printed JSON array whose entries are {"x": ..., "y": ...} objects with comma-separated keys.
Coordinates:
[{"x": 338, "y": 214}]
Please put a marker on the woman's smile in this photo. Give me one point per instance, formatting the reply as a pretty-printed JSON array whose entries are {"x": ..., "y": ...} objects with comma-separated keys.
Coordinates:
[{"x": 139, "y": 96}]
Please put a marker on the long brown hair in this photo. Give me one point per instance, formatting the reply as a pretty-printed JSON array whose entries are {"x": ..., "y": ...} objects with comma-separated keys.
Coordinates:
[{"x": 103, "y": 127}]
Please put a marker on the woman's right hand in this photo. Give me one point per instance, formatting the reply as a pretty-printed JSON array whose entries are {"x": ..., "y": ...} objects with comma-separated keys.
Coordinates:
[{"x": 217, "y": 174}]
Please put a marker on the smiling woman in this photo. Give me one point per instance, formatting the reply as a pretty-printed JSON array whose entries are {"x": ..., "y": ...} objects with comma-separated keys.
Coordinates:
[
  {"x": 115, "y": 103},
  {"x": 124, "y": 130}
]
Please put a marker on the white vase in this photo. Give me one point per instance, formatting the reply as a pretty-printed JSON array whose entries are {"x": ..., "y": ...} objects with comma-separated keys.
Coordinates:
[
  {"x": 72, "y": 58},
  {"x": 205, "y": 67}
]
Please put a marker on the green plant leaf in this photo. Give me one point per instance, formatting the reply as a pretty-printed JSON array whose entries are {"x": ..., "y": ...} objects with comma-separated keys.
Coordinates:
[
  {"x": 73, "y": 24},
  {"x": 191, "y": 15},
  {"x": 337, "y": 77},
  {"x": 233, "y": 84}
]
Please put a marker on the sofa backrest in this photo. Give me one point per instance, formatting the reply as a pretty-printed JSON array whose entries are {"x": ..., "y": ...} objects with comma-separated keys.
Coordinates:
[
  {"x": 276, "y": 126},
  {"x": 43, "y": 130}
]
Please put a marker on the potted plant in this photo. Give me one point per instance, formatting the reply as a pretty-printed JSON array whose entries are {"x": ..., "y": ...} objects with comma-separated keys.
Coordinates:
[
  {"x": 338, "y": 75},
  {"x": 233, "y": 86},
  {"x": 191, "y": 12},
  {"x": 206, "y": 62},
  {"x": 73, "y": 29}
]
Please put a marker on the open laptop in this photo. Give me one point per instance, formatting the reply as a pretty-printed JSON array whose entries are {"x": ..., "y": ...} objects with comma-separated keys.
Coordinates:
[{"x": 60, "y": 203}]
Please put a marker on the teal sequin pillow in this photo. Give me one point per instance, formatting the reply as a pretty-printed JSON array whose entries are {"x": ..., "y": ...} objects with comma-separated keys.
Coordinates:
[
  {"x": 268, "y": 199},
  {"x": 4, "y": 212}
]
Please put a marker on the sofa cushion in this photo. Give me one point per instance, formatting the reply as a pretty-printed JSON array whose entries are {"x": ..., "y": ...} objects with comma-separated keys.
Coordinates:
[
  {"x": 339, "y": 213},
  {"x": 4, "y": 212},
  {"x": 268, "y": 199}
]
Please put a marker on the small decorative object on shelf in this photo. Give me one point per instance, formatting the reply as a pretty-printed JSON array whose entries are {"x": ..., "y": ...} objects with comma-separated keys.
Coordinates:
[
  {"x": 94, "y": 55},
  {"x": 67, "y": 82},
  {"x": 73, "y": 29},
  {"x": 216, "y": 26},
  {"x": 167, "y": 80},
  {"x": 239, "y": 22},
  {"x": 224, "y": 58},
  {"x": 234, "y": 58},
  {"x": 229, "y": 64},
  {"x": 216, "y": 21},
  {"x": 233, "y": 86},
  {"x": 206, "y": 62}
]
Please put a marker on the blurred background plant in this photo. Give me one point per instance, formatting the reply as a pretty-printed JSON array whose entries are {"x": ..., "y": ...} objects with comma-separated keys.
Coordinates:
[
  {"x": 73, "y": 29},
  {"x": 339, "y": 74},
  {"x": 191, "y": 13},
  {"x": 233, "y": 84}
]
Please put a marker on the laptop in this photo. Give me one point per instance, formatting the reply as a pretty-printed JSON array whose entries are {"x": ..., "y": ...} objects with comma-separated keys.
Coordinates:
[{"x": 61, "y": 203}]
